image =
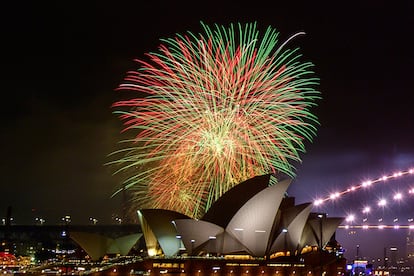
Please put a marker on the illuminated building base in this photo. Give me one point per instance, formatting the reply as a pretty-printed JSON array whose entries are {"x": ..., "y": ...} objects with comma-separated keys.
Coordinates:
[{"x": 311, "y": 265}]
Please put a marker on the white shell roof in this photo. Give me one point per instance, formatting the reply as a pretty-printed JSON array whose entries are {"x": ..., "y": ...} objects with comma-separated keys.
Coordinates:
[
  {"x": 249, "y": 218},
  {"x": 253, "y": 222},
  {"x": 195, "y": 233},
  {"x": 160, "y": 222},
  {"x": 97, "y": 246},
  {"x": 293, "y": 222}
]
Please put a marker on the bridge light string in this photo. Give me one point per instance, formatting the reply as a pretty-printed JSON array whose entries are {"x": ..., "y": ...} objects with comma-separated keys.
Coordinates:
[
  {"x": 349, "y": 224},
  {"x": 380, "y": 226},
  {"x": 351, "y": 218},
  {"x": 379, "y": 206},
  {"x": 381, "y": 203},
  {"x": 364, "y": 184},
  {"x": 396, "y": 198}
]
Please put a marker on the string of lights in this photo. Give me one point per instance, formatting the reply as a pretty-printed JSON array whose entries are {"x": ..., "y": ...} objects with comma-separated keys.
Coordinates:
[
  {"x": 380, "y": 226},
  {"x": 355, "y": 221},
  {"x": 365, "y": 184}
]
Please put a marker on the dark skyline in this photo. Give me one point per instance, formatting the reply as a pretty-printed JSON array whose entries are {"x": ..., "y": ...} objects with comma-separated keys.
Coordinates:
[{"x": 61, "y": 64}]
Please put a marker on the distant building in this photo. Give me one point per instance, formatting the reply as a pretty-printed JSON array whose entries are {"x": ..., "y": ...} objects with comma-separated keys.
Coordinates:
[
  {"x": 393, "y": 256},
  {"x": 410, "y": 247}
]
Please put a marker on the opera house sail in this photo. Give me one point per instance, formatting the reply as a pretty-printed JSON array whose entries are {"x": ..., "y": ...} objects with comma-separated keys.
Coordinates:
[{"x": 254, "y": 218}]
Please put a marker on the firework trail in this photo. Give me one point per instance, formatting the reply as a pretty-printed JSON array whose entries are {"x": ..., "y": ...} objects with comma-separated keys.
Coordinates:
[{"x": 211, "y": 111}]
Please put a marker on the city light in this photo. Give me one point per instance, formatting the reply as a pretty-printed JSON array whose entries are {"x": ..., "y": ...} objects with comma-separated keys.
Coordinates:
[
  {"x": 350, "y": 218},
  {"x": 398, "y": 196},
  {"x": 66, "y": 219},
  {"x": 118, "y": 220},
  {"x": 40, "y": 221},
  {"x": 382, "y": 202},
  {"x": 366, "y": 210},
  {"x": 366, "y": 183}
]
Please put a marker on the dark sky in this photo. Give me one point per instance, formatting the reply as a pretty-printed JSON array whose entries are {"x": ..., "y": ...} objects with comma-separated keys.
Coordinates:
[{"x": 61, "y": 62}]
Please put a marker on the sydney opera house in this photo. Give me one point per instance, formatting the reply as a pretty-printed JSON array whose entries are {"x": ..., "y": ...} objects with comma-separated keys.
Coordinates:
[{"x": 253, "y": 227}]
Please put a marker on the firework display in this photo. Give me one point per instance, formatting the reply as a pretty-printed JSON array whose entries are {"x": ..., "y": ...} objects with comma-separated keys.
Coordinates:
[{"x": 212, "y": 110}]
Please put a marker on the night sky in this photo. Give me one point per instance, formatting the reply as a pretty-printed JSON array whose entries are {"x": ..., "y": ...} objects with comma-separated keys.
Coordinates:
[{"x": 60, "y": 64}]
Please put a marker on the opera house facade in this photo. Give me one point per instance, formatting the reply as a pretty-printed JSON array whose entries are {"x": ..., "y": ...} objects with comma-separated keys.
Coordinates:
[{"x": 254, "y": 226}]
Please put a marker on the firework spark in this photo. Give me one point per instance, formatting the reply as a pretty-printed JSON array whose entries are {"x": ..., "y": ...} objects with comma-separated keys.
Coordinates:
[{"x": 213, "y": 110}]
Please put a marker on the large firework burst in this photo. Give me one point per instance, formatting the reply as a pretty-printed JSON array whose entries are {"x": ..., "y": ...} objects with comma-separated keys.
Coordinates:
[{"x": 213, "y": 110}]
